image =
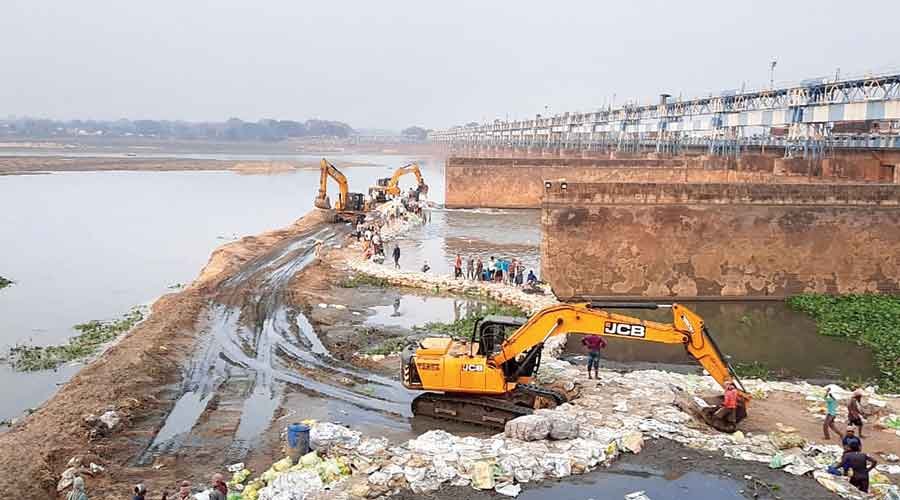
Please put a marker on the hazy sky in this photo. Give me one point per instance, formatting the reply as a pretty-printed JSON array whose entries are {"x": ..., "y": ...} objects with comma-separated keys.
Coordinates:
[{"x": 390, "y": 64}]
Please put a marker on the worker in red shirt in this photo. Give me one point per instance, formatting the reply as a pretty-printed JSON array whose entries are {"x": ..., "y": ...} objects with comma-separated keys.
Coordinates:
[
  {"x": 593, "y": 343},
  {"x": 731, "y": 402}
]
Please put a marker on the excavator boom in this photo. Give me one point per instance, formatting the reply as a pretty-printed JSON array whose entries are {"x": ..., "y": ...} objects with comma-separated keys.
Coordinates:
[
  {"x": 487, "y": 379},
  {"x": 687, "y": 328},
  {"x": 326, "y": 170},
  {"x": 348, "y": 205},
  {"x": 391, "y": 186}
]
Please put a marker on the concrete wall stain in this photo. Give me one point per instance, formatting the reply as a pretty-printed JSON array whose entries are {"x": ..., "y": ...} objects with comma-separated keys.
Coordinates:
[
  {"x": 661, "y": 240},
  {"x": 474, "y": 182}
]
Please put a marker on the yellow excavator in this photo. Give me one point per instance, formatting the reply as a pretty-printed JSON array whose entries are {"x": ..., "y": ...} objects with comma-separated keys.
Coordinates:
[
  {"x": 348, "y": 204},
  {"x": 487, "y": 379},
  {"x": 389, "y": 187}
]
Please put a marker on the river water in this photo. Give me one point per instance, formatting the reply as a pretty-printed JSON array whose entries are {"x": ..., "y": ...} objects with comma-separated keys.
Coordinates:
[{"x": 90, "y": 245}]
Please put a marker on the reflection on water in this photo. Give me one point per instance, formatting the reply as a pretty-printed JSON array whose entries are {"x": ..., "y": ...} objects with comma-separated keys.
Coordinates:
[
  {"x": 618, "y": 483},
  {"x": 771, "y": 333},
  {"x": 408, "y": 311}
]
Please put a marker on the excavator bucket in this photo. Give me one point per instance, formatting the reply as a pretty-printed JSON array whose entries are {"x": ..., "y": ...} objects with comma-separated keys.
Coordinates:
[
  {"x": 709, "y": 410},
  {"x": 324, "y": 203}
]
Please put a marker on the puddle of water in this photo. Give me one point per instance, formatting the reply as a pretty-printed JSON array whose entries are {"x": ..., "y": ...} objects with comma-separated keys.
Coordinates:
[
  {"x": 615, "y": 484},
  {"x": 771, "y": 333},
  {"x": 411, "y": 310}
]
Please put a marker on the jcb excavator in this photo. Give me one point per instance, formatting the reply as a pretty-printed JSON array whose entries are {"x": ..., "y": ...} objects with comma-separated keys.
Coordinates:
[
  {"x": 390, "y": 186},
  {"x": 486, "y": 379},
  {"x": 348, "y": 204}
]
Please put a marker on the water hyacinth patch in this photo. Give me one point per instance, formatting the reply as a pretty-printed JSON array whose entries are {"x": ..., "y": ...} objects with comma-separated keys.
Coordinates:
[
  {"x": 93, "y": 334},
  {"x": 869, "y": 320}
]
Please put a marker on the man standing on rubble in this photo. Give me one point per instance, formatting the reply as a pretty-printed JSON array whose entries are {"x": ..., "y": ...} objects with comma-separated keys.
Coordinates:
[
  {"x": 594, "y": 343},
  {"x": 831, "y": 409},
  {"x": 854, "y": 411},
  {"x": 396, "y": 255}
]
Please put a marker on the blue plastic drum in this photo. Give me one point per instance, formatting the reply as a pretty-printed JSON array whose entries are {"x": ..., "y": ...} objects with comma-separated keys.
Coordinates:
[{"x": 297, "y": 440}]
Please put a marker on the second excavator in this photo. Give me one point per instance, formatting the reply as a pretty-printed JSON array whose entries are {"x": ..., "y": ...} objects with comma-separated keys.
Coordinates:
[
  {"x": 348, "y": 204},
  {"x": 389, "y": 187},
  {"x": 487, "y": 379}
]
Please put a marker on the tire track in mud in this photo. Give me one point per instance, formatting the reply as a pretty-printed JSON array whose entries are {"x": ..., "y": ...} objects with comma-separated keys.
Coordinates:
[{"x": 256, "y": 345}]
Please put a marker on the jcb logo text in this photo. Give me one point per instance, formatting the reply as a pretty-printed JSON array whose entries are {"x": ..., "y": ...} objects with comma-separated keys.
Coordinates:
[{"x": 624, "y": 329}]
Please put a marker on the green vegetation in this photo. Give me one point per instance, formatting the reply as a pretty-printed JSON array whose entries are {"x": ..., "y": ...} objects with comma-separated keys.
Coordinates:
[
  {"x": 358, "y": 280},
  {"x": 753, "y": 370},
  {"x": 869, "y": 320},
  {"x": 463, "y": 327},
  {"x": 4, "y": 282},
  {"x": 93, "y": 335},
  {"x": 388, "y": 347}
]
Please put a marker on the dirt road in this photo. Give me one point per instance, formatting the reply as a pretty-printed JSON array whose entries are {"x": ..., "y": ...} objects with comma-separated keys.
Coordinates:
[{"x": 142, "y": 378}]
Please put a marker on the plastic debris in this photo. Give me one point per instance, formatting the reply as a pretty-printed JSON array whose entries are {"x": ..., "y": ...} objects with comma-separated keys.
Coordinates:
[
  {"x": 482, "y": 476},
  {"x": 889, "y": 469},
  {"x": 110, "y": 419},
  {"x": 236, "y": 467},
  {"x": 325, "y": 435},
  {"x": 295, "y": 485},
  {"x": 510, "y": 490},
  {"x": 787, "y": 440},
  {"x": 632, "y": 441},
  {"x": 528, "y": 428},
  {"x": 637, "y": 495},
  {"x": 838, "y": 485}
]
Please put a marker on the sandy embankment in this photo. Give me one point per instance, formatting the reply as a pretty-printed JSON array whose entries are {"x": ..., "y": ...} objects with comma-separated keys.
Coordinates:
[{"x": 134, "y": 376}]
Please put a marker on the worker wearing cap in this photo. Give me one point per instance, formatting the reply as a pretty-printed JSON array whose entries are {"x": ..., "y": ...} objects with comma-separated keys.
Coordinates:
[{"x": 851, "y": 441}]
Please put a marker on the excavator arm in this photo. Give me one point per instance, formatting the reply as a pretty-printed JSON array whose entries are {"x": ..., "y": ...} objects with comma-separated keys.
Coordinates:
[
  {"x": 327, "y": 169},
  {"x": 687, "y": 328},
  {"x": 393, "y": 187}
]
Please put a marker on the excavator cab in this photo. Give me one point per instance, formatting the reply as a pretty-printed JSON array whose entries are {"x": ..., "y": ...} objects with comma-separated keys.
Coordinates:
[
  {"x": 356, "y": 202},
  {"x": 378, "y": 192},
  {"x": 491, "y": 331}
]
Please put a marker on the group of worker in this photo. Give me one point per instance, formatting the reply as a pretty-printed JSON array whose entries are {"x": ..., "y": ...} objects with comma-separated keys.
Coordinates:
[
  {"x": 370, "y": 234},
  {"x": 510, "y": 272},
  {"x": 853, "y": 460},
  {"x": 218, "y": 490}
]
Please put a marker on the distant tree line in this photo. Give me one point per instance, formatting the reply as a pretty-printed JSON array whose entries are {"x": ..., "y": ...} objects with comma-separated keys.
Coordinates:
[
  {"x": 234, "y": 129},
  {"x": 417, "y": 133}
]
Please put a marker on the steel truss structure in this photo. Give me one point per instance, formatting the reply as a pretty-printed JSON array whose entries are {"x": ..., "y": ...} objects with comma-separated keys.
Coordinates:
[{"x": 807, "y": 119}]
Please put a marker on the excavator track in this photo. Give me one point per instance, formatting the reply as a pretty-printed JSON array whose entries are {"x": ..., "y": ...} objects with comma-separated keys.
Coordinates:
[{"x": 486, "y": 410}]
